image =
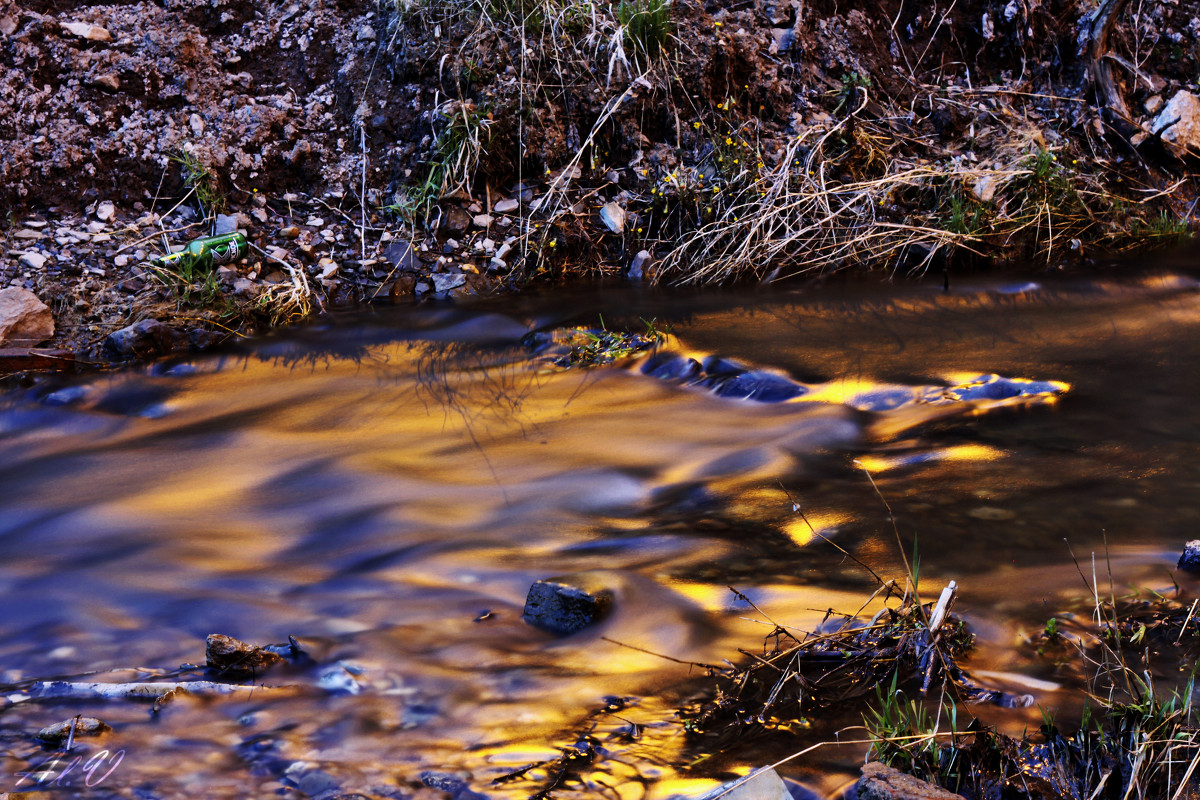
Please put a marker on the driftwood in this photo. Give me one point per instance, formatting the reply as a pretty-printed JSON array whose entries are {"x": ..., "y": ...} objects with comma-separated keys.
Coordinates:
[
  {"x": 158, "y": 692},
  {"x": 1100, "y": 63}
]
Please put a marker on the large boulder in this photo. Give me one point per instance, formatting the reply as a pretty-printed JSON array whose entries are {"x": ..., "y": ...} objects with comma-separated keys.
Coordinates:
[{"x": 25, "y": 321}]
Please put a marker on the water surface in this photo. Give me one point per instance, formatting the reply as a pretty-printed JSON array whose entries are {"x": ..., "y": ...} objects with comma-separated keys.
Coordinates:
[{"x": 387, "y": 488}]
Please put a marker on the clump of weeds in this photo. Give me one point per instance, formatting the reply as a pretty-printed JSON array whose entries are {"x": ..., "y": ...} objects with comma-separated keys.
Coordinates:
[{"x": 570, "y": 348}]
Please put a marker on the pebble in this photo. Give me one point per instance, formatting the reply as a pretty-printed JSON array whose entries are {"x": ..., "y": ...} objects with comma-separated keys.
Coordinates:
[
  {"x": 483, "y": 220},
  {"x": 507, "y": 205},
  {"x": 96, "y": 227},
  {"x": 290, "y": 232},
  {"x": 105, "y": 211},
  {"x": 25, "y": 233}
]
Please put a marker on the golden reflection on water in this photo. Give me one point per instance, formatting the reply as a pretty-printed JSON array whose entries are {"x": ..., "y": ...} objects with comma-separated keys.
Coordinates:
[{"x": 392, "y": 510}]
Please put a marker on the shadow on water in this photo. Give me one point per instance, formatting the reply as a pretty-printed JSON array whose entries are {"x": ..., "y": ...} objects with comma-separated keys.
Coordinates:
[{"x": 388, "y": 488}]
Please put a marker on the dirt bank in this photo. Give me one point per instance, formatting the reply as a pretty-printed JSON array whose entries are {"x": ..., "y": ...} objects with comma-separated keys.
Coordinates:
[{"x": 421, "y": 148}]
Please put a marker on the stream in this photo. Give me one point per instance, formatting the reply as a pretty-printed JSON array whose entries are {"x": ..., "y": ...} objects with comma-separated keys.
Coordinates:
[{"x": 386, "y": 488}]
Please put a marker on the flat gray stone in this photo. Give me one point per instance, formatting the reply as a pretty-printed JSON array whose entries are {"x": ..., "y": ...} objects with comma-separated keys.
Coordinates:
[
  {"x": 444, "y": 282},
  {"x": 226, "y": 223},
  {"x": 507, "y": 206}
]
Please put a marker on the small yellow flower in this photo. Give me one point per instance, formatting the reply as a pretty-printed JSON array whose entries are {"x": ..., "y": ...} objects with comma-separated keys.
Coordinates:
[
  {"x": 736, "y": 161},
  {"x": 718, "y": 24},
  {"x": 696, "y": 125},
  {"x": 728, "y": 140},
  {"x": 639, "y": 230},
  {"x": 554, "y": 242}
]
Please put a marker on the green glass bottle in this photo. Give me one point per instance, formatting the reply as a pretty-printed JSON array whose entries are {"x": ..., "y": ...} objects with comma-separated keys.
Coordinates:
[{"x": 203, "y": 255}]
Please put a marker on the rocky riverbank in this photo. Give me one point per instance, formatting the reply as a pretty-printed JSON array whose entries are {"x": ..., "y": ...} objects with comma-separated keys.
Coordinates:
[{"x": 412, "y": 149}]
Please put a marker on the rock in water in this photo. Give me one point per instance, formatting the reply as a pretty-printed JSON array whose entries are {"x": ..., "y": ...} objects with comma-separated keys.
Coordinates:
[
  {"x": 881, "y": 782},
  {"x": 234, "y": 658},
  {"x": 25, "y": 321},
  {"x": 762, "y": 785},
  {"x": 61, "y": 731},
  {"x": 559, "y": 605},
  {"x": 1190, "y": 559}
]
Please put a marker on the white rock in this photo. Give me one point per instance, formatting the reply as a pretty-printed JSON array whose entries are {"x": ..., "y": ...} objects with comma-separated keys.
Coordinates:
[
  {"x": 105, "y": 211},
  {"x": 121, "y": 261},
  {"x": 985, "y": 188},
  {"x": 196, "y": 123},
  {"x": 8, "y": 26},
  {"x": 33, "y": 260},
  {"x": 1153, "y": 104},
  {"x": 482, "y": 220},
  {"x": 24, "y": 319},
  {"x": 259, "y": 214},
  {"x": 1179, "y": 122},
  {"x": 488, "y": 245},
  {"x": 507, "y": 205},
  {"x": 87, "y": 31},
  {"x": 95, "y": 227},
  {"x": 613, "y": 217}
]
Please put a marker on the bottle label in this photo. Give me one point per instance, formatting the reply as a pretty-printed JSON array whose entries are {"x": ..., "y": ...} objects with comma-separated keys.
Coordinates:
[{"x": 227, "y": 252}]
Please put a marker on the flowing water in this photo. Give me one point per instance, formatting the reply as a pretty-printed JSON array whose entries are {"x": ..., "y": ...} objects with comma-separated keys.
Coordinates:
[{"x": 387, "y": 489}]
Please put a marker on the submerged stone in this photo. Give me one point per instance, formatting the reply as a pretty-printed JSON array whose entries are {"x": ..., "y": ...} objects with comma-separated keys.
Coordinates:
[
  {"x": 762, "y": 785},
  {"x": 232, "y": 657},
  {"x": 566, "y": 604},
  {"x": 61, "y": 731},
  {"x": 765, "y": 387},
  {"x": 671, "y": 367}
]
